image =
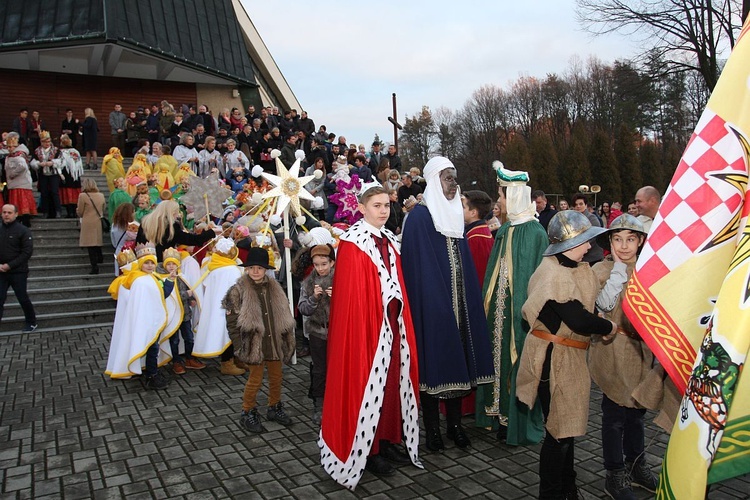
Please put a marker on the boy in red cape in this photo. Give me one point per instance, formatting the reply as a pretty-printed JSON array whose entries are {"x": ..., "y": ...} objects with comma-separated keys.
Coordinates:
[{"x": 372, "y": 379}]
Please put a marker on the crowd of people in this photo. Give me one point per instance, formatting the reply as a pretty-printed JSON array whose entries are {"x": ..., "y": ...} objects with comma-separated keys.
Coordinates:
[
  {"x": 427, "y": 298},
  {"x": 442, "y": 315}
]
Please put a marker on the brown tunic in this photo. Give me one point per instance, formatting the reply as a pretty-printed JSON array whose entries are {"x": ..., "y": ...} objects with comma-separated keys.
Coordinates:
[
  {"x": 570, "y": 384},
  {"x": 619, "y": 366}
]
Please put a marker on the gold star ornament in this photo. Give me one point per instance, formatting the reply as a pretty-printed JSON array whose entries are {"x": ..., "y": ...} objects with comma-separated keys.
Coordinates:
[{"x": 288, "y": 187}]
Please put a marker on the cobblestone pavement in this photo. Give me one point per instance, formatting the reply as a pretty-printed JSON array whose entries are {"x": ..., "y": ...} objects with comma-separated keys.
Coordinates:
[{"x": 67, "y": 431}]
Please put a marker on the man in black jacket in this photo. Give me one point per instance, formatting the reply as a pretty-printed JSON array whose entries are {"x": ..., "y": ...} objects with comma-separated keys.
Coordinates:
[
  {"x": 543, "y": 210},
  {"x": 16, "y": 247},
  {"x": 393, "y": 158}
]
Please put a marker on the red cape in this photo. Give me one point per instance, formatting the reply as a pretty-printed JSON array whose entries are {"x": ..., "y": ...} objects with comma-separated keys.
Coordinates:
[{"x": 356, "y": 357}]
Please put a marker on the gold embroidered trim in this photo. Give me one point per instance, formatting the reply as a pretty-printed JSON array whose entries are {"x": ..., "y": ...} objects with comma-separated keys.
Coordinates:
[{"x": 497, "y": 347}]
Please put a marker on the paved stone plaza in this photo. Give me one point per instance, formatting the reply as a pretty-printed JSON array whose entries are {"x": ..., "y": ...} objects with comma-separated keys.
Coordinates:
[{"x": 67, "y": 431}]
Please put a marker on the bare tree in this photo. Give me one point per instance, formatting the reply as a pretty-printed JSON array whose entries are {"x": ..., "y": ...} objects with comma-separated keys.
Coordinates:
[
  {"x": 579, "y": 90},
  {"x": 418, "y": 138},
  {"x": 690, "y": 34},
  {"x": 525, "y": 104},
  {"x": 556, "y": 100},
  {"x": 445, "y": 130}
]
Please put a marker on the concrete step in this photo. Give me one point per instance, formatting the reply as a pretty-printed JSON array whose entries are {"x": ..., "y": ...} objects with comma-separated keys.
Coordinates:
[
  {"x": 62, "y": 259},
  {"x": 65, "y": 297},
  {"x": 82, "y": 266},
  {"x": 56, "y": 238},
  {"x": 40, "y": 224},
  {"x": 90, "y": 290},
  {"x": 60, "y": 320},
  {"x": 73, "y": 280},
  {"x": 67, "y": 305},
  {"x": 70, "y": 239},
  {"x": 46, "y": 249}
]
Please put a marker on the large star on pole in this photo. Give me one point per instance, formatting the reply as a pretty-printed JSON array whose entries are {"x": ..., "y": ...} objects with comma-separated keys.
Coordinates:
[
  {"x": 289, "y": 187},
  {"x": 205, "y": 194}
]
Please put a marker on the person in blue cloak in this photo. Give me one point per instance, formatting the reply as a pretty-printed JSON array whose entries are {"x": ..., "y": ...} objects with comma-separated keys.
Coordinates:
[{"x": 453, "y": 346}]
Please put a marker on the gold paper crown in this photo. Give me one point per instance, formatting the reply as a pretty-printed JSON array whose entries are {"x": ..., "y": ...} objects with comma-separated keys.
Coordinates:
[
  {"x": 125, "y": 257},
  {"x": 172, "y": 254},
  {"x": 145, "y": 249}
]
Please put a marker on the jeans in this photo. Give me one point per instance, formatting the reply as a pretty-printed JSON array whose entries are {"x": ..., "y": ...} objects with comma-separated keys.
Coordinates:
[
  {"x": 622, "y": 433},
  {"x": 152, "y": 359},
  {"x": 186, "y": 330},
  {"x": 18, "y": 282},
  {"x": 318, "y": 350}
]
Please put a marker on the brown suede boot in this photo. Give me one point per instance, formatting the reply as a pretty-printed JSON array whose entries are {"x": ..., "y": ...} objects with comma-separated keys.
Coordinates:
[
  {"x": 229, "y": 368},
  {"x": 241, "y": 364}
]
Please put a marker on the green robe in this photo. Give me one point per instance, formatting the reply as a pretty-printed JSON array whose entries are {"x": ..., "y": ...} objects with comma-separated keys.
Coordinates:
[
  {"x": 140, "y": 213},
  {"x": 117, "y": 198},
  {"x": 505, "y": 291}
]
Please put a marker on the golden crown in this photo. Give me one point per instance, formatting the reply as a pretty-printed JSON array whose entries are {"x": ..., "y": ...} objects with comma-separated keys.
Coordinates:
[
  {"x": 144, "y": 249},
  {"x": 172, "y": 253},
  {"x": 125, "y": 257}
]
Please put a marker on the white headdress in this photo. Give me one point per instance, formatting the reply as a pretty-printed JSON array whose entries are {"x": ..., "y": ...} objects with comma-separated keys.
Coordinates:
[
  {"x": 518, "y": 201},
  {"x": 447, "y": 215}
]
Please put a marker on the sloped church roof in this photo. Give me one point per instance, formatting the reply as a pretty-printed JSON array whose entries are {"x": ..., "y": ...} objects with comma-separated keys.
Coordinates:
[{"x": 142, "y": 38}]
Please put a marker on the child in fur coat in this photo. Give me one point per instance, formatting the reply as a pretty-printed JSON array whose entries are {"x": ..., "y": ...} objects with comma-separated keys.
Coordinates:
[
  {"x": 261, "y": 327},
  {"x": 315, "y": 303}
]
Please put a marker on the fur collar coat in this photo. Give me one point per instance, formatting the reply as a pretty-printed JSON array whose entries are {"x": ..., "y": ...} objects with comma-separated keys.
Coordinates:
[{"x": 245, "y": 320}]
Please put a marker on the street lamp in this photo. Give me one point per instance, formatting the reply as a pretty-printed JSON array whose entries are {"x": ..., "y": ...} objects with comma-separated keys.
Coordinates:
[{"x": 584, "y": 189}]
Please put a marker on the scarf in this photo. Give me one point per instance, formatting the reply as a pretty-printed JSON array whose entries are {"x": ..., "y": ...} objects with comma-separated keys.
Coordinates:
[
  {"x": 447, "y": 215},
  {"x": 114, "y": 287},
  {"x": 519, "y": 205},
  {"x": 73, "y": 163}
]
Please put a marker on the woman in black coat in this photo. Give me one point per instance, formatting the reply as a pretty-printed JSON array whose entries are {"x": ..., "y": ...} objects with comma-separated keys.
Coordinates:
[
  {"x": 162, "y": 228},
  {"x": 276, "y": 141},
  {"x": 90, "y": 135}
]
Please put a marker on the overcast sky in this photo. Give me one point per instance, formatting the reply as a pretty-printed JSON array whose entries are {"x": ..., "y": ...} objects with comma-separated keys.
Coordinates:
[{"x": 343, "y": 59}]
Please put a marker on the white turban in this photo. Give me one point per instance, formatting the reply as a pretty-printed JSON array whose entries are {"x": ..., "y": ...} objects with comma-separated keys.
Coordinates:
[
  {"x": 447, "y": 215},
  {"x": 316, "y": 236}
]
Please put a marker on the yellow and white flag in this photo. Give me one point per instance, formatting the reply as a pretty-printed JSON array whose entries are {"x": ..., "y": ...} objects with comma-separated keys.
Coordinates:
[{"x": 689, "y": 297}]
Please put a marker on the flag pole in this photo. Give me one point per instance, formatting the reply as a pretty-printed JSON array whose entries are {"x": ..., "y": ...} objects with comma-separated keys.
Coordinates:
[{"x": 288, "y": 270}]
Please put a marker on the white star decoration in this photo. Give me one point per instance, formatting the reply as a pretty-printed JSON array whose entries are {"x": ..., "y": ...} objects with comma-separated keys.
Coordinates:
[{"x": 289, "y": 187}]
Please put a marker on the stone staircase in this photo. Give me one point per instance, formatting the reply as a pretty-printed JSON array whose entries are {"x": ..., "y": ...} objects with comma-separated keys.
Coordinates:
[{"x": 64, "y": 295}]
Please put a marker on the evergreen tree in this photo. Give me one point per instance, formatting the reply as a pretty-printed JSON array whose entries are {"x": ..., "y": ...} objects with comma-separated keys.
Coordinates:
[
  {"x": 543, "y": 171},
  {"x": 672, "y": 156},
  {"x": 604, "y": 169},
  {"x": 627, "y": 158},
  {"x": 575, "y": 167},
  {"x": 651, "y": 167},
  {"x": 516, "y": 155},
  {"x": 417, "y": 139}
]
